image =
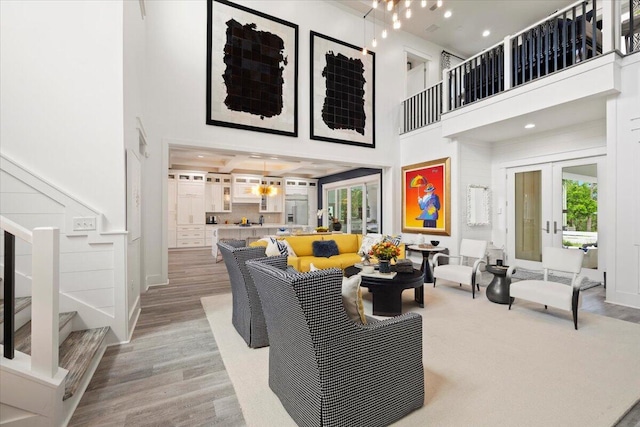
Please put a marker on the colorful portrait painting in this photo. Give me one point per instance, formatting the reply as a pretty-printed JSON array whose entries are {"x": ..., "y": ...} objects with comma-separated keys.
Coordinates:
[{"x": 426, "y": 197}]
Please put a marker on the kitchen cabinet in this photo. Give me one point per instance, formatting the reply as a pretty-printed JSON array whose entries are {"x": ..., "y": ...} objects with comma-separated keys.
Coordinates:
[
  {"x": 172, "y": 208},
  {"x": 191, "y": 202},
  {"x": 273, "y": 203},
  {"x": 189, "y": 236},
  {"x": 242, "y": 186},
  {"x": 218, "y": 193}
]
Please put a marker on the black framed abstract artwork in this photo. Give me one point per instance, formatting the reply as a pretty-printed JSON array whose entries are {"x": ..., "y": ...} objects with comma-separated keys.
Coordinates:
[
  {"x": 342, "y": 92},
  {"x": 252, "y": 70}
]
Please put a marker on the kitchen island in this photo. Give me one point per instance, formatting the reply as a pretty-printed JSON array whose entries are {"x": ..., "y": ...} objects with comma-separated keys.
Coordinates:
[{"x": 216, "y": 232}]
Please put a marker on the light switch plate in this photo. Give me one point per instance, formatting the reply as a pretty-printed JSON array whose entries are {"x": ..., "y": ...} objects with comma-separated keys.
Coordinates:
[{"x": 86, "y": 223}]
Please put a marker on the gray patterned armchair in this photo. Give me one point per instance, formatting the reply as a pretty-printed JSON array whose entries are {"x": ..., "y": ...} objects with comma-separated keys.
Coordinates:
[
  {"x": 327, "y": 370},
  {"x": 247, "y": 315}
]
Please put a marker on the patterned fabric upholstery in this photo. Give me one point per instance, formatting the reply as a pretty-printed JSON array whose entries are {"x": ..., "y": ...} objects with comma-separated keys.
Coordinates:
[
  {"x": 247, "y": 315},
  {"x": 326, "y": 369}
]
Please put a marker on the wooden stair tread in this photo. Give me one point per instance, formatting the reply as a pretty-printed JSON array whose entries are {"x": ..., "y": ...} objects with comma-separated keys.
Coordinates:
[
  {"x": 23, "y": 335},
  {"x": 21, "y": 304},
  {"x": 76, "y": 354}
]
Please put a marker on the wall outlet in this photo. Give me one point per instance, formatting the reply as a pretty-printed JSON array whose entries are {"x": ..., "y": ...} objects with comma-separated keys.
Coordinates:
[{"x": 84, "y": 223}]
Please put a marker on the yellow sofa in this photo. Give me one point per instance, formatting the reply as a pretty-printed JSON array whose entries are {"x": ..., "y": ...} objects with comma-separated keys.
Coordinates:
[{"x": 348, "y": 246}]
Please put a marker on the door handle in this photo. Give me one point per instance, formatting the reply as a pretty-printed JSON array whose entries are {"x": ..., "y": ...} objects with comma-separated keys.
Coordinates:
[
  {"x": 555, "y": 227},
  {"x": 547, "y": 228}
]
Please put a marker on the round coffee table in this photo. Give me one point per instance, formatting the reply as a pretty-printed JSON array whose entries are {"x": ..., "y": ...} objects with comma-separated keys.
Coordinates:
[
  {"x": 387, "y": 293},
  {"x": 498, "y": 289}
]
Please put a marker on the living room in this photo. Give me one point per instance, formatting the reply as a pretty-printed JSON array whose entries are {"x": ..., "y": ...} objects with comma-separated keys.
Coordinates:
[{"x": 152, "y": 74}]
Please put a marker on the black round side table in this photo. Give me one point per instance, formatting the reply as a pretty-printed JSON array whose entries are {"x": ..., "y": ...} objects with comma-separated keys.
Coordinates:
[{"x": 498, "y": 289}]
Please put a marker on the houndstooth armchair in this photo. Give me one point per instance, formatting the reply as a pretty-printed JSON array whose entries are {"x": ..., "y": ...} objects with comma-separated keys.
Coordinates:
[
  {"x": 327, "y": 370},
  {"x": 247, "y": 315}
]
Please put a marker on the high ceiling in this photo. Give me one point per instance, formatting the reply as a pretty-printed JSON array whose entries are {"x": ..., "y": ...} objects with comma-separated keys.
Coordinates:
[{"x": 462, "y": 32}]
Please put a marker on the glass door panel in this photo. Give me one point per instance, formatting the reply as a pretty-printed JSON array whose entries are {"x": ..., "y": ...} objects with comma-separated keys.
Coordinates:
[
  {"x": 356, "y": 198},
  {"x": 528, "y": 211}
]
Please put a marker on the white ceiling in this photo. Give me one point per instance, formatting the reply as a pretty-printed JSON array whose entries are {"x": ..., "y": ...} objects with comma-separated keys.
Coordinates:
[
  {"x": 462, "y": 32},
  {"x": 235, "y": 162}
]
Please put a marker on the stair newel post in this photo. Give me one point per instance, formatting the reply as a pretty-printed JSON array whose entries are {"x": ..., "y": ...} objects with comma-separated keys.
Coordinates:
[
  {"x": 9, "y": 294},
  {"x": 45, "y": 296}
]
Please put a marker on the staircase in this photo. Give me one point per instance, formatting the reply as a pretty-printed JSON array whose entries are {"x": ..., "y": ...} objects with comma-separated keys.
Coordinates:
[{"x": 79, "y": 353}]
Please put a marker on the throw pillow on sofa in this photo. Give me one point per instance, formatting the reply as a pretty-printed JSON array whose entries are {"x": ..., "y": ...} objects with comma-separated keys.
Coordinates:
[
  {"x": 368, "y": 241},
  {"x": 278, "y": 247},
  {"x": 325, "y": 248},
  {"x": 396, "y": 240},
  {"x": 351, "y": 297}
]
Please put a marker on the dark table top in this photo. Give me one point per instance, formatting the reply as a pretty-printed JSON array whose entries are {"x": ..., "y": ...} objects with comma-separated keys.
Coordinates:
[
  {"x": 498, "y": 269},
  {"x": 399, "y": 278}
]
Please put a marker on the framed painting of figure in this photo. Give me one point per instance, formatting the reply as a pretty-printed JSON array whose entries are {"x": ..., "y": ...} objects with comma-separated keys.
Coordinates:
[
  {"x": 252, "y": 70},
  {"x": 426, "y": 197}
]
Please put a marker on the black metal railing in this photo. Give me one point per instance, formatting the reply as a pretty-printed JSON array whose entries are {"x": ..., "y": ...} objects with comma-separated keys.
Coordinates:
[
  {"x": 631, "y": 28},
  {"x": 9, "y": 294},
  {"x": 559, "y": 42},
  {"x": 477, "y": 78},
  {"x": 422, "y": 109}
]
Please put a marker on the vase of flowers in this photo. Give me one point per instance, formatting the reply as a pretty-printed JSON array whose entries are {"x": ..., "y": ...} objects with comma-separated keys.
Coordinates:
[{"x": 385, "y": 252}]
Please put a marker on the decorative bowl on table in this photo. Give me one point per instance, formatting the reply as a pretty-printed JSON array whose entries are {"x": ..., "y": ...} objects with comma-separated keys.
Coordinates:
[
  {"x": 435, "y": 242},
  {"x": 368, "y": 269}
]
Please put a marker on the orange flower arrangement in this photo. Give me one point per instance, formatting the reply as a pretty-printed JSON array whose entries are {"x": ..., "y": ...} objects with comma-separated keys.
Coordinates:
[{"x": 385, "y": 251}]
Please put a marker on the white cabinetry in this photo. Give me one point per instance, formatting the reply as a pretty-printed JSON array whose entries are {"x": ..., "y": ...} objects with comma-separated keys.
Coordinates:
[
  {"x": 190, "y": 203},
  {"x": 218, "y": 193},
  {"x": 274, "y": 203},
  {"x": 242, "y": 185},
  {"x": 190, "y": 236},
  {"x": 172, "y": 207}
]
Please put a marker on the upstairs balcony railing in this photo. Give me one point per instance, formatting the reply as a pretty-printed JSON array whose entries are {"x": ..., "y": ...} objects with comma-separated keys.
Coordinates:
[{"x": 566, "y": 38}]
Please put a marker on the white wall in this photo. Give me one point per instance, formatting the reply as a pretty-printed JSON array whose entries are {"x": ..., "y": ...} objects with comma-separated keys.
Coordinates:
[
  {"x": 175, "y": 100},
  {"x": 623, "y": 263},
  {"x": 134, "y": 75},
  {"x": 475, "y": 169},
  {"x": 61, "y": 107},
  {"x": 424, "y": 145}
]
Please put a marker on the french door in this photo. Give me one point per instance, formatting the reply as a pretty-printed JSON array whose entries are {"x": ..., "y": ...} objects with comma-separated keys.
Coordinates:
[
  {"x": 555, "y": 204},
  {"x": 346, "y": 204}
]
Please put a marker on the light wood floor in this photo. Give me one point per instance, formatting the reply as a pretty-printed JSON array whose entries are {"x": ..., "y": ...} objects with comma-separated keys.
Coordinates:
[{"x": 171, "y": 373}]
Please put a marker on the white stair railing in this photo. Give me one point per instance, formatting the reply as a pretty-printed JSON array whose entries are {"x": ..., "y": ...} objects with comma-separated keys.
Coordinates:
[{"x": 45, "y": 287}]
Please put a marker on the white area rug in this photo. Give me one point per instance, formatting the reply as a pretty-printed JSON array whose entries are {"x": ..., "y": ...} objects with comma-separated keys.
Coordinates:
[{"x": 484, "y": 365}]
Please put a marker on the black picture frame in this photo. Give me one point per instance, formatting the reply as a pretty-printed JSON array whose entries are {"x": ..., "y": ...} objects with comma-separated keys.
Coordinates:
[
  {"x": 240, "y": 94},
  {"x": 342, "y": 92}
]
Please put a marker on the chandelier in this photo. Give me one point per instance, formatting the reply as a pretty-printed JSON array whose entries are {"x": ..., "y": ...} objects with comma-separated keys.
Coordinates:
[
  {"x": 263, "y": 189},
  {"x": 393, "y": 7}
]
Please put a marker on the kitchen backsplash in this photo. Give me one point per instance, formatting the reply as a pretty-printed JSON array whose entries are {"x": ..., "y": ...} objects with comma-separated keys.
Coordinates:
[{"x": 250, "y": 211}]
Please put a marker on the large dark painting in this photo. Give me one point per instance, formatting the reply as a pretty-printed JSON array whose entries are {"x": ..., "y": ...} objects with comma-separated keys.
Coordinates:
[
  {"x": 342, "y": 92},
  {"x": 252, "y": 70}
]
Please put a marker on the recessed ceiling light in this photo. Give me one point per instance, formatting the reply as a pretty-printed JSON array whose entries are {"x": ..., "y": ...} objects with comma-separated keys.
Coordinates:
[
  {"x": 486, "y": 33},
  {"x": 448, "y": 14},
  {"x": 255, "y": 156},
  {"x": 530, "y": 126},
  {"x": 200, "y": 156},
  {"x": 439, "y": 3},
  {"x": 273, "y": 158}
]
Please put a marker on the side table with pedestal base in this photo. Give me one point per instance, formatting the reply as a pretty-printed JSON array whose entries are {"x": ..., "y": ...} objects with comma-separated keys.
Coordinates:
[
  {"x": 426, "y": 251},
  {"x": 498, "y": 289}
]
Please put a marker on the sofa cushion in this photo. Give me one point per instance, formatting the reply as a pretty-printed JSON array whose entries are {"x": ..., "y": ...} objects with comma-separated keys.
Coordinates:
[
  {"x": 302, "y": 244},
  {"x": 325, "y": 248},
  {"x": 347, "y": 243}
]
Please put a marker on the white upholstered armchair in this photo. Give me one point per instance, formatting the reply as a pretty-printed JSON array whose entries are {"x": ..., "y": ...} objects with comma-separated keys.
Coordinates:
[
  {"x": 558, "y": 295},
  {"x": 459, "y": 272}
]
